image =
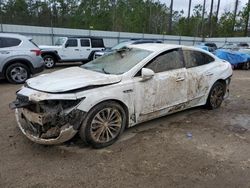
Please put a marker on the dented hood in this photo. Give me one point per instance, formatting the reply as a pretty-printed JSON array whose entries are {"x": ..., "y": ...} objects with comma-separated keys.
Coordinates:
[{"x": 70, "y": 79}]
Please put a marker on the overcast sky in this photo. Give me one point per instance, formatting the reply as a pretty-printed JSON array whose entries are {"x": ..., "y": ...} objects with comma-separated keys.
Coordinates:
[{"x": 225, "y": 4}]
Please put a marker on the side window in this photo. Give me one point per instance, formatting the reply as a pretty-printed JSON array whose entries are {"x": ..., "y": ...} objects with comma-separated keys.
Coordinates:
[
  {"x": 167, "y": 61},
  {"x": 71, "y": 43},
  {"x": 97, "y": 43},
  {"x": 196, "y": 58},
  {"x": 9, "y": 42},
  {"x": 85, "y": 43}
]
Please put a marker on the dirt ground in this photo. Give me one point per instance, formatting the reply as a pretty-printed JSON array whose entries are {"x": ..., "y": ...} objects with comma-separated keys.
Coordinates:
[{"x": 194, "y": 148}]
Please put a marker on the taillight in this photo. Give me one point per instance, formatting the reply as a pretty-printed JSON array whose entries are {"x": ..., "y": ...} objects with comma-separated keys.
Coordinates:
[{"x": 37, "y": 52}]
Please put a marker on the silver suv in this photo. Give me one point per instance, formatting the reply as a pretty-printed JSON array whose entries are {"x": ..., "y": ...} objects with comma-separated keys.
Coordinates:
[{"x": 19, "y": 58}]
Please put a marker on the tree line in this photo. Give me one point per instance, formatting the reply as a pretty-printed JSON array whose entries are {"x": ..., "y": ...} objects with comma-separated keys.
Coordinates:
[{"x": 142, "y": 16}]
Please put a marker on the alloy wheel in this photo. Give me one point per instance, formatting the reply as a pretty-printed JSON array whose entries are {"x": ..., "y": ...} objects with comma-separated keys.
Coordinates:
[
  {"x": 19, "y": 74},
  {"x": 217, "y": 95},
  {"x": 49, "y": 62},
  {"x": 106, "y": 125}
]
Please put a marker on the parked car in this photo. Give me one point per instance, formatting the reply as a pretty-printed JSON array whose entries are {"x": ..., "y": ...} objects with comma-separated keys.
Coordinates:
[
  {"x": 208, "y": 46},
  {"x": 246, "y": 66},
  {"x": 235, "y": 46},
  {"x": 119, "y": 90},
  {"x": 243, "y": 45},
  {"x": 19, "y": 58},
  {"x": 71, "y": 49},
  {"x": 124, "y": 44},
  {"x": 238, "y": 59}
]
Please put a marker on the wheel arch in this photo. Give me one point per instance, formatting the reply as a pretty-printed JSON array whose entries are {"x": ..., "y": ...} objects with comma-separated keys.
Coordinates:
[
  {"x": 18, "y": 60},
  {"x": 53, "y": 54},
  {"x": 121, "y": 103},
  {"x": 221, "y": 81},
  {"x": 91, "y": 55}
]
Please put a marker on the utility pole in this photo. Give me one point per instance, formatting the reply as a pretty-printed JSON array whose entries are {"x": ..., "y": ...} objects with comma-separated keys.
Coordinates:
[
  {"x": 189, "y": 9},
  {"x": 202, "y": 18},
  {"x": 188, "y": 18},
  {"x": 1, "y": 15},
  {"x": 170, "y": 18},
  {"x": 210, "y": 18},
  {"x": 235, "y": 13},
  {"x": 217, "y": 11},
  {"x": 113, "y": 2},
  {"x": 247, "y": 21}
]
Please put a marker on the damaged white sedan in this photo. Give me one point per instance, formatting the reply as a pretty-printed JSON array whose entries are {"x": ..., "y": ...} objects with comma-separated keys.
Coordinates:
[{"x": 119, "y": 90}]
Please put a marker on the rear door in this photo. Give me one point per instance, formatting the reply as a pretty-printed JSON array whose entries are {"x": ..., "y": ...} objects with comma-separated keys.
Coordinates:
[
  {"x": 200, "y": 72},
  {"x": 8, "y": 48},
  {"x": 85, "y": 48}
]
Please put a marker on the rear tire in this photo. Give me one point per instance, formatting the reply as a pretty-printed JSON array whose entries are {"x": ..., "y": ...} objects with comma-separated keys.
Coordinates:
[
  {"x": 49, "y": 61},
  {"x": 246, "y": 66},
  {"x": 216, "y": 96},
  {"x": 103, "y": 124},
  {"x": 91, "y": 57},
  {"x": 17, "y": 73}
]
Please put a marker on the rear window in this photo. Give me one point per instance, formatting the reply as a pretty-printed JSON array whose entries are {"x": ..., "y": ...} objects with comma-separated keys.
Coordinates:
[
  {"x": 196, "y": 58},
  {"x": 33, "y": 43},
  {"x": 97, "y": 43},
  {"x": 6, "y": 42}
]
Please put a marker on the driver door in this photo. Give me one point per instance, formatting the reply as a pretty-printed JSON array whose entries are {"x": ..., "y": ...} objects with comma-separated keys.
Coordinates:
[
  {"x": 167, "y": 89},
  {"x": 71, "y": 51}
]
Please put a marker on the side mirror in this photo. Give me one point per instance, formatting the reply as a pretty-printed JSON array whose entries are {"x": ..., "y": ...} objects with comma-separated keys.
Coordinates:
[
  {"x": 66, "y": 45},
  {"x": 147, "y": 74}
]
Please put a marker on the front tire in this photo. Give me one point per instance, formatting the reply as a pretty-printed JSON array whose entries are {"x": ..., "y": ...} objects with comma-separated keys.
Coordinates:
[
  {"x": 216, "y": 96},
  {"x": 103, "y": 124},
  {"x": 17, "y": 73},
  {"x": 49, "y": 61}
]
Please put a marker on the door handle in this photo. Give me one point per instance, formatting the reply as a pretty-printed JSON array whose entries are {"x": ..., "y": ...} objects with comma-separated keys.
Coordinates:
[
  {"x": 76, "y": 49},
  {"x": 180, "y": 79},
  {"x": 88, "y": 49},
  {"x": 209, "y": 74}
]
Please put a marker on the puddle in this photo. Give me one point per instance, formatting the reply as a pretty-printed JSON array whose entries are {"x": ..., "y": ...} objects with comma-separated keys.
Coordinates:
[
  {"x": 240, "y": 123},
  {"x": 237, "y": 129}
]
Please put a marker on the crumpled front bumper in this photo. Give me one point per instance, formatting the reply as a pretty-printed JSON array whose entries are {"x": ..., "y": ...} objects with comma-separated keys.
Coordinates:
[{"x": 66, "y": 132}]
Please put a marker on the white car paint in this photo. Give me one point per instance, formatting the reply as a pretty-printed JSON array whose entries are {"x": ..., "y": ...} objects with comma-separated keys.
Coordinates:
[
  {"x": 70, "y": 53},
  {"x": 72, "y": 78},
  {"x": 166, "y": 92}
]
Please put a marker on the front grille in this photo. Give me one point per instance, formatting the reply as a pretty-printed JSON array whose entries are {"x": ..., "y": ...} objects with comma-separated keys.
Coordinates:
[{"x": 22, "y": 99}]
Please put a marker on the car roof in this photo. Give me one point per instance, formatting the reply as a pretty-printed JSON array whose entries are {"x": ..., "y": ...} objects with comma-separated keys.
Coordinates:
[
  {"x": 161, "y": 47},
  {"x": 83, "y": 37},
  {"x": 155, "y": 47}
]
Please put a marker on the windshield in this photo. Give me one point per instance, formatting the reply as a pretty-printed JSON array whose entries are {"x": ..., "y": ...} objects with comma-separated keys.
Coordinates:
[
  {"x": 117, "y": 62},
  {"x": 60, "y": 41},
  {"x": 121, "y": 45}
]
